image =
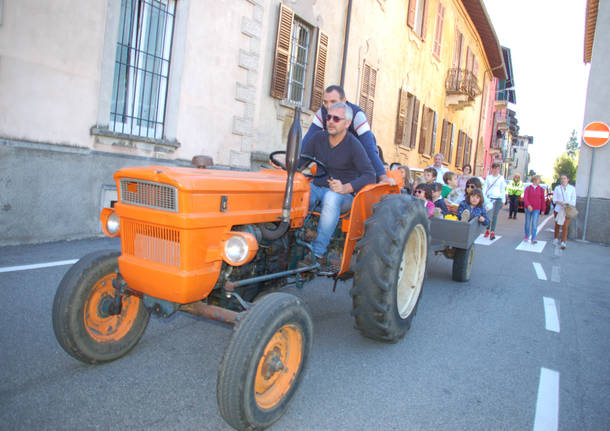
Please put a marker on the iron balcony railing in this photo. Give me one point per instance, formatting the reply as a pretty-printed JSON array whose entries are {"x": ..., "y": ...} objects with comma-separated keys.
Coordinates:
[{"x": 462, "y": 81}]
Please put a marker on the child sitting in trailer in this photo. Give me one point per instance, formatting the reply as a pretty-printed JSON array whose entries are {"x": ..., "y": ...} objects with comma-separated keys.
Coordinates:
[
  {"x": 424, "y": 192},
  {"x": 472, "y": 207},
  {"x": 441, "y": 209},
  {"x": 453, "y": 194}
]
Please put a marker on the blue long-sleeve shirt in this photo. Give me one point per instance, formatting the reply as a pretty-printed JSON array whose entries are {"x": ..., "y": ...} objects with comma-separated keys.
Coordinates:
[
  {"x": 359, "y": 128},
  {"x": 474, "y": 212},
  {"x": 346, "y": 161}
]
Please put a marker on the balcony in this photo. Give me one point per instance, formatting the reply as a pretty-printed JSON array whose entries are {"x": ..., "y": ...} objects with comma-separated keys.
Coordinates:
[
  {"x": 462, "y": 88},
  {"x": 501, "y": 120}
]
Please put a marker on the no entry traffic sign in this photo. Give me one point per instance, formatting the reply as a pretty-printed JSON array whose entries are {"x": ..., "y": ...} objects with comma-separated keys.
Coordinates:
[{"x": 596, "y": 134}]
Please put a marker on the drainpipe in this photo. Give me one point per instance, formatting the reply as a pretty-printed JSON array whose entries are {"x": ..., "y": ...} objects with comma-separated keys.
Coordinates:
[{"x": 346, "y": 41}]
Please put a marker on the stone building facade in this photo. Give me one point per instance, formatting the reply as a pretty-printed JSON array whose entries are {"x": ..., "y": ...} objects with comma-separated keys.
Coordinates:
[{"x": 89, "y": 87}]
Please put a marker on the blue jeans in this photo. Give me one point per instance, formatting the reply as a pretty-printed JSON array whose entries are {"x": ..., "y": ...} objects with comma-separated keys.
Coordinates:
[
  {"x": 531, "y": 222},
  {"x": 332, "y": 205},
  {"x": 494, "y": 213}
]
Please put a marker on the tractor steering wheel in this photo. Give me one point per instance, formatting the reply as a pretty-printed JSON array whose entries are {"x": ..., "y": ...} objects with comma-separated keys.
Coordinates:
[{"x": 321, "y": 166}]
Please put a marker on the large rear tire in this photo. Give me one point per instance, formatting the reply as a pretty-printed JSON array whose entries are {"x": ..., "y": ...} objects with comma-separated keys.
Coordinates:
[
  {"x": 462, "y": 264},
  {"x": 82, "y": 324},
  {"x": 264, "y": 361},
  {"x": 390, "y": 269}
]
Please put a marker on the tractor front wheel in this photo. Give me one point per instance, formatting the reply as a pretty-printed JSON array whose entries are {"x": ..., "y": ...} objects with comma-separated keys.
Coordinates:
[
  {"x": 84, "y": 322},
  {"x": 390, "y": 268},
  {"x": 264, "y": 361}
]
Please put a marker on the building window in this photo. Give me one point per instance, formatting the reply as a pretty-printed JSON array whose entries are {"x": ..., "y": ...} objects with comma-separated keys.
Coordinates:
[
  {"x": 457, "y": 50},
  {"x": 467, "y": 151},
  {"x": 293, "y": 73},
  {"x": 367, "y": 91},
  {"x": 438, "y": 34},
  {"x": 298, "y": 62},
  {"x": 416, "y": 16},
  {"x": 406, "y": 124},
  {"x": 142, "y": 67},
  {"x": 446, "y": 136},
  {"x": 427, "y": 133}
]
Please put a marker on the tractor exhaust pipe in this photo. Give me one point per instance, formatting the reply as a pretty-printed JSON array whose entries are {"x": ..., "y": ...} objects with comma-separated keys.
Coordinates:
[{"x": 292, "y": 157}]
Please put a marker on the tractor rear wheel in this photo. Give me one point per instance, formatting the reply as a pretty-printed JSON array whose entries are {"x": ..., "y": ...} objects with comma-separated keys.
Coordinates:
[
  {"x": 390, "y": 269},
  {"x": 264, "y": 361},
  {"x": 83, "y": 322}
]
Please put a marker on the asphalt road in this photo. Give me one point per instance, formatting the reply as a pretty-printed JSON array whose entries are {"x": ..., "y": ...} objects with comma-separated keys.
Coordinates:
[{"x": 479, "y": 355}]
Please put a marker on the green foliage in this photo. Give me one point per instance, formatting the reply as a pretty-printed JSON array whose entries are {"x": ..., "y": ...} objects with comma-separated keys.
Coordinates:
[
  {"x": 572, "y": 145},
  {"x": 565, "y": 164}
]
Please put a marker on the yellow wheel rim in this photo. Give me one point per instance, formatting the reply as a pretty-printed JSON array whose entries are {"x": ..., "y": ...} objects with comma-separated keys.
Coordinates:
[
  {"x": 278, "y": 367},
  {"x": 101, "y": 326}
]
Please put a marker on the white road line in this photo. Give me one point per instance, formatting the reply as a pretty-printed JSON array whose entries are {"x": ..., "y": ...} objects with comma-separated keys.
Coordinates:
[
  {"x": 551, "y": 318},
  {"x": 555, "y": 274},
  {"x": 541, "y": 225},
  {"x": 547, "y": 405},
  {"x": 539, "y": 271},
  {"x": 38, "y": 265}
]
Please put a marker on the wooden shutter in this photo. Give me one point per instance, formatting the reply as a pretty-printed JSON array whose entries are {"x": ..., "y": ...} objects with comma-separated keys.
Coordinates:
[
  {"x": 449, "y": 158},
  {"x": 424, "y": 20},
  {"x": 281, "y": 63},
  {"x": 469, "y": 58},
  {"x": 414, "y": 124},
  {"x": 460, "y": 150},
  {"x": 367, "y": 91},
  {"x": 411, "y": 13},
  {"x": 438, "y": 34},
  {"x": 423, "y": 129},
  {"x": 319, "y": 72},
  {"x": 443, "y": 147},
  {"x": 399, "y": 136},
  {"x": 457, "y": 50},
  {"x": 467, "y": 150},
  {"x": 433, "y": 136}
]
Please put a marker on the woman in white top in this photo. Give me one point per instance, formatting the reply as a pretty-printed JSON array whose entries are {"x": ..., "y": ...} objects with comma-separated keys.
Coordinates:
[
  {"x": 563, "y": 194},
  {"x": 495, "y": 191}
]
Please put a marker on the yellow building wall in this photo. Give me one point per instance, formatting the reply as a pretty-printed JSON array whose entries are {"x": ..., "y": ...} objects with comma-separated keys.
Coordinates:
[{"x": 380, "y": 36}]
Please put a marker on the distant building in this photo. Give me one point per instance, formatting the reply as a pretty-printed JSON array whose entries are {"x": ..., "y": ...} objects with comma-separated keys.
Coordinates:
[
  {"x": 520, "y": 157},
  {"x": 596, "y": 52}
]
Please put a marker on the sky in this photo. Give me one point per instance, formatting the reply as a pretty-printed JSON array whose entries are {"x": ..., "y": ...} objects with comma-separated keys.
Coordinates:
[{"x": 546, "y": 39}]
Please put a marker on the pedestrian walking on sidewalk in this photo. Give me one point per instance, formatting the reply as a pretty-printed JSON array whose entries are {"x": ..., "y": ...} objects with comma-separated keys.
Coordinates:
[
  {"x": 534, "y": 203},
  {"x": 564, "y": 195},
  {"x": 495, "y": 192},
  {"x": 515, "y": 190}
]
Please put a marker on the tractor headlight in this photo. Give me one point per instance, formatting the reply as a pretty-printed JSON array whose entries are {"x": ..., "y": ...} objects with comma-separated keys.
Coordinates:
[
  {"x": 113, "y": 224},
  {"x": 239, "y": 248},
  {"x": 236, "y": 249}
]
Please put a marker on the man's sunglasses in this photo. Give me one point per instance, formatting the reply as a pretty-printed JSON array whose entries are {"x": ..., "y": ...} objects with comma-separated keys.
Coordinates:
[{"x": 334, "y": 118}]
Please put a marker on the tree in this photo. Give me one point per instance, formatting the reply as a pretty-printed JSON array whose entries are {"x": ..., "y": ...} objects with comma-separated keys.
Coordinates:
[
  {"x": 565, "y": 164},
  {"x": 572, "y": 145}
]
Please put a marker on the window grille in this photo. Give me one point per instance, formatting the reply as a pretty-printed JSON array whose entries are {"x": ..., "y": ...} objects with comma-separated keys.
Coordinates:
[
  {"x": 298, "y": 62},
  {"x": 142, "y": 67}
]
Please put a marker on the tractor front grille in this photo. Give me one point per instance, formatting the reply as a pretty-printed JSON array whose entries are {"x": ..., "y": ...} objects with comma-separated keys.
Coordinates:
[
  {"x": 149, "y": 194},
  {"x": 150, "y": 242}
]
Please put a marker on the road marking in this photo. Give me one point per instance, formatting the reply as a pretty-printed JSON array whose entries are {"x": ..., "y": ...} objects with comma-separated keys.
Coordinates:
[
  {"x": 38, "y": 265},
  {"x": 541, "y": 225},
  {"x": 551, "y": 318},
  {"x": 547, "y": 405},
  {"x": 539, "y": 271},
  {"x": 555, "y": 274},
  {"x": 528, "y": 246}
]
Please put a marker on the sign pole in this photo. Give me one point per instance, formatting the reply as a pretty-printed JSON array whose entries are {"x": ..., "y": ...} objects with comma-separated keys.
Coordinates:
[{"x": 584, "y": 229}]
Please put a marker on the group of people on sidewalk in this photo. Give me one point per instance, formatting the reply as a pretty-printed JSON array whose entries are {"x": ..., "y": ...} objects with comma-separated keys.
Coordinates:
[{"x": 534, "y": 203}]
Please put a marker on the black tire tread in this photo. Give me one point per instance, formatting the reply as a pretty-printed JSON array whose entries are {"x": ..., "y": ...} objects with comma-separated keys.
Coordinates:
[
  {"x": 66, "y": 312},
  {"x": 378, "y": 255},
  {"x": 254, "y": 329}
]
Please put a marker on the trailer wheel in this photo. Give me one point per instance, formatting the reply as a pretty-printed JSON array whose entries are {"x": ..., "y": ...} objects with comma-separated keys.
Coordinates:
[
  {"x": 390, "y": 269},
  {"x": 462, "y": 264},
  {"x": 264, "y": 361},
  {"x": 82, "y": 323}
]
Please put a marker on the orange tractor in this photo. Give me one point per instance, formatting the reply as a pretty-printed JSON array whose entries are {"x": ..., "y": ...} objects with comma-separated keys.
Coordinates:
[{"x": 218, "y": 244}]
